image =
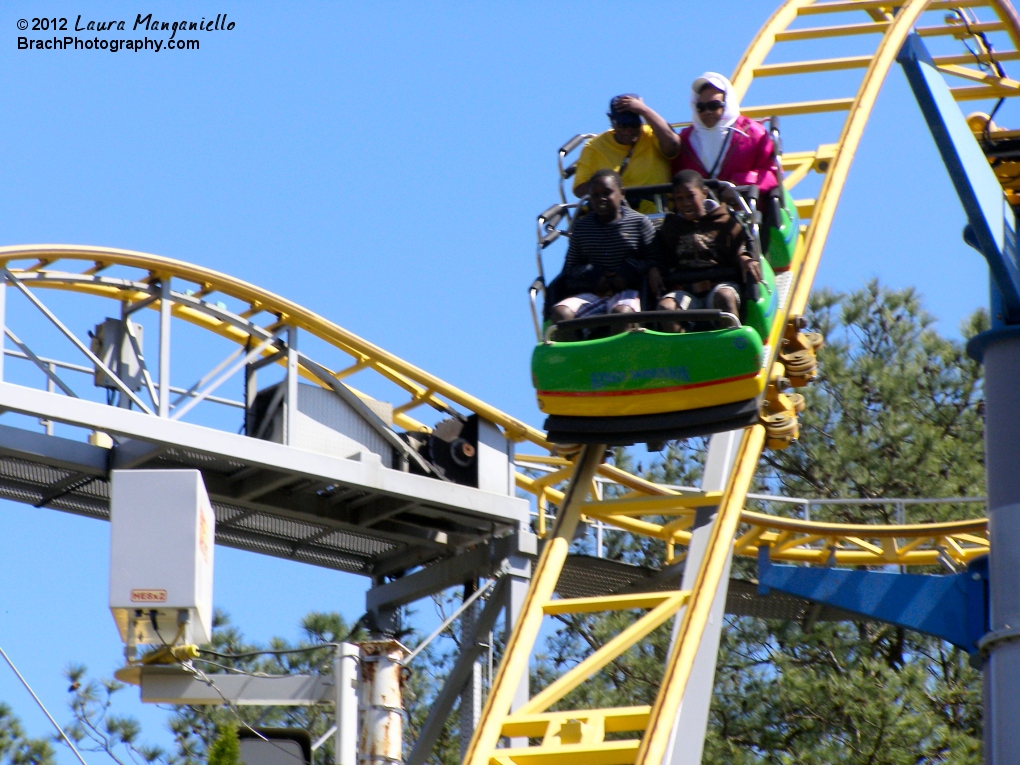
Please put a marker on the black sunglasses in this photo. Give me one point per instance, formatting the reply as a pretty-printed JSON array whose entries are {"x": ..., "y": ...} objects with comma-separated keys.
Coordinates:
[{"x": 710, "y": 106}]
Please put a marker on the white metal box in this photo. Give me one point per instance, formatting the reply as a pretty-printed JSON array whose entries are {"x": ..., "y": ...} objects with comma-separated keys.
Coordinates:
[
  {"x": 495, "y": 452},
  {"x": 161, "y": 556},
  {"x": 116, "y": 349},
  {"x": 326, "y": 424}
]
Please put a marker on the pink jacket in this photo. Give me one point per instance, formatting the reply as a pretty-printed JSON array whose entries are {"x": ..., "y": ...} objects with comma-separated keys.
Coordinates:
[{"x": 748, "y": 159}]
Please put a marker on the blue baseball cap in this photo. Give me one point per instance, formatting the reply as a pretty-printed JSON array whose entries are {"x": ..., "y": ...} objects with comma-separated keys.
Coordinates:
[{"x": 623, "y": 117}]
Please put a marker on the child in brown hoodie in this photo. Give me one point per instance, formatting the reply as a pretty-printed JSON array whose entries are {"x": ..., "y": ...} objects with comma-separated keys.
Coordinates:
[{"x": 702, "y": 253}]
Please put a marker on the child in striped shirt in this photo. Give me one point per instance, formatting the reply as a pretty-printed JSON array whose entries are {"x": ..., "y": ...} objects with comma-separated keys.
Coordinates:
[{"x": 610, "y": 251}]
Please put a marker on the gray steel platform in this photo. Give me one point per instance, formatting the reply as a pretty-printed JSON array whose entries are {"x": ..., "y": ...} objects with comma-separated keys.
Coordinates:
[
  {"x": 587, "y": 576},
  {"x": 269, "y": 498}
]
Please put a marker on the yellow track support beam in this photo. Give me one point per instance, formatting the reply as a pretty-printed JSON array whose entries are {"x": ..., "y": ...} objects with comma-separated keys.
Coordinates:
[
  {"x": 862, "y": 62},
  {"x": 845, "y": 6},
  {"x": 596, "y": 753},
  {"x": 710, "y": 573},
  {"x": 616, "y": 720},
  {"x": 543, "y": 584},
  {"x": 797, "y": 107},
  {"x": 842, "y": 30},
  {"x": 976, "y": 75},
  {"x": 812, "y": 67},
  {"x": 805, "y": 208},
  {"x": 606, "y": 603},
  {"x": 615, "y": 648},
  {"x": 984, "y": 58},
  {"x": 958, "y": 30},
  {"x": 652, "y": 505},
  {"x": 1004, "y": 89},
  {"x": 848, "y": 6}
]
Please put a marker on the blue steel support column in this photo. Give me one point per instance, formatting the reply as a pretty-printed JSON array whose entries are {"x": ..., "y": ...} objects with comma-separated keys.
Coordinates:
[
  {"x": 992, "y": 230},
  {"x": 1002, "y": 458}
]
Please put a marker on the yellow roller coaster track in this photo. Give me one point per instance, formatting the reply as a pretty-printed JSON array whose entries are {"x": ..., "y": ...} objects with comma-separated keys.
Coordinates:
[
  {"x": 640, "y": 507},
  {"x": 580, "y": 736}
]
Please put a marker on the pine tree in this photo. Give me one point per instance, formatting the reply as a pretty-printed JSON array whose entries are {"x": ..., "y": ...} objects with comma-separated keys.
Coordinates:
[
  {"x": 897, "y": 412},
  {"x": 17, "y": 748},
  {"x": 226, "y": 749}
]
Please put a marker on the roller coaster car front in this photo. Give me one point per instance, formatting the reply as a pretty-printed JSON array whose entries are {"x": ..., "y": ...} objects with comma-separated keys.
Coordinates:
[{"x": 646, "y": 385}]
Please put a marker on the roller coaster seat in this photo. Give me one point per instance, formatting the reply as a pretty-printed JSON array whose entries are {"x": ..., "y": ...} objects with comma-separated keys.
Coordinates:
[{"x": 742, "y": 200}]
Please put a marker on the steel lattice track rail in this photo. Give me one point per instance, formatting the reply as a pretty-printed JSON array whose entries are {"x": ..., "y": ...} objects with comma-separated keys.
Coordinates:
[
  {"x": 664, "y": 513},
  {"x": 634, "y": 511},
  {"x": 581, "y": 735},
  {"x": 199, "y": 306},
  {"x": 266, "y": 500}
]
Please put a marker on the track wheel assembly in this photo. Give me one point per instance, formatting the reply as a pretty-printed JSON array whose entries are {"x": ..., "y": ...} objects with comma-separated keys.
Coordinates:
[
  {"x": 798, "y": 353},
  {"x": 779, "y": 415},
  {"x": 797, "y": 366}
]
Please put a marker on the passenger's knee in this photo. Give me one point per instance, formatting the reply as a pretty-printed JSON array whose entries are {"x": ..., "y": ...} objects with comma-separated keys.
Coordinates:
[
  {"x": 561, "y": 313},
  {"x": 725, "y": 299},
  {"x": 622, "y": 309},
  {"x": 667, "y": 304}
]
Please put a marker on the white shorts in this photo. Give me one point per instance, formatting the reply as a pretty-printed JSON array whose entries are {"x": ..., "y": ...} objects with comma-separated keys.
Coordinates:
[
  {"x": 587, "y": 304},
  {"x": 685, "y": 301}
]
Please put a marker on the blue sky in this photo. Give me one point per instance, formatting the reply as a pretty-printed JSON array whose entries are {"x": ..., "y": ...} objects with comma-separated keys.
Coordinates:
[{"x": 382, "y": 164}]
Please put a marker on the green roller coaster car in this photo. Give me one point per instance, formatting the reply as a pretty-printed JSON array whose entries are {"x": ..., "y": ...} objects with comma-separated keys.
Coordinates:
[{"x": 647, "y": 385}]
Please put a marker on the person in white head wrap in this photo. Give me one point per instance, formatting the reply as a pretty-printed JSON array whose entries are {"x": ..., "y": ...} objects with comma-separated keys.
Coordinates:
[
  {"x": 722, "y": 143},
  {"x": 712, "y": 127}
]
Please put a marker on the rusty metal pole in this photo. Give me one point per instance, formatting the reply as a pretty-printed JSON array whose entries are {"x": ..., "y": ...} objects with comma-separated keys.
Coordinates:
[{"x": 382, "y": 710}]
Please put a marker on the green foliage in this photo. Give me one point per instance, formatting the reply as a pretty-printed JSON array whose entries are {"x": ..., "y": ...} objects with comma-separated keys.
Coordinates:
[
  {"x": 96, "y": 728},
  {"x": 427, "y": 674},
  {"x": 16, "y": 748},
  {"x": 195, "y": 728},
  {"x": 835, "y": 696},
  {"x": 897, "y": 412},
  {"x": 226, "y": 749}
]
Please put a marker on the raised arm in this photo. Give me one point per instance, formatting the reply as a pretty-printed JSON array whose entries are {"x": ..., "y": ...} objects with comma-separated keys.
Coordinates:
[
  {"x": 587, "y": 164},
  {"x": 669, "y": 141}
]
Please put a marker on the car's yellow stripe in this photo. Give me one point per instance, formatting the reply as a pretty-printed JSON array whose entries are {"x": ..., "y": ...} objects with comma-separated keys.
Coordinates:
[{"x": 677, "y": 399}]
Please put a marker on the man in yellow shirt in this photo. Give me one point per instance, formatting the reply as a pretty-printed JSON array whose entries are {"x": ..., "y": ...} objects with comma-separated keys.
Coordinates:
[{"x": 639, "y": 152}]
